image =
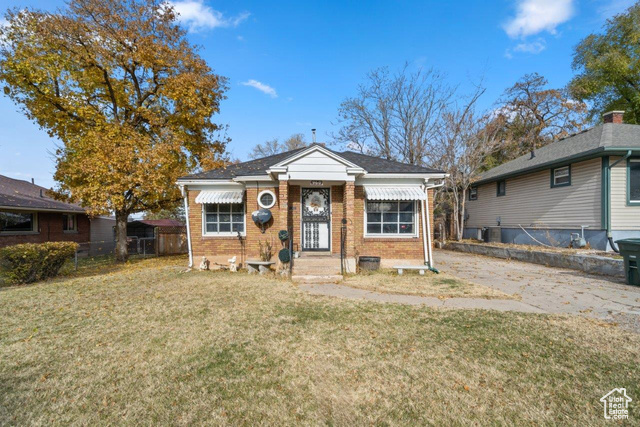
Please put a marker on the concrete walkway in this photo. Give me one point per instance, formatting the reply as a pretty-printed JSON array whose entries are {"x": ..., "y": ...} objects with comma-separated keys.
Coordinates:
[
  {"x": 343, "y": 291},
  {"x": 542, "y": 289},
  {"x": 553, "y": 290}
]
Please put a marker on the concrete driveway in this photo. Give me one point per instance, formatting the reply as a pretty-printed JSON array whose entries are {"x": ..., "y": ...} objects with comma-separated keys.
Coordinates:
[{"x": 552, "y": 290}]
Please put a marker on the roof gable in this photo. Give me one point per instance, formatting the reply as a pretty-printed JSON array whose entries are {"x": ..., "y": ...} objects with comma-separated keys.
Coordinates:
[{"x": 318, "y": 154}]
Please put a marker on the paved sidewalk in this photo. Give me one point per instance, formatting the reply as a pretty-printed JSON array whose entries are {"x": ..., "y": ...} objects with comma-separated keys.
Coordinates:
[{"x": 348, "y": 292}]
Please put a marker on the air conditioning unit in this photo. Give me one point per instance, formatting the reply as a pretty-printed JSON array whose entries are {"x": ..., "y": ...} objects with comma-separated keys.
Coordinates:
[{"x": 495, "y": 235}]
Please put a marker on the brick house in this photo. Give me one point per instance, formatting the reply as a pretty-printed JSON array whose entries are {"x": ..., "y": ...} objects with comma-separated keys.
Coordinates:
[
  {"x": 29, "y": 215},
  {"x": 311, "y": 192}
]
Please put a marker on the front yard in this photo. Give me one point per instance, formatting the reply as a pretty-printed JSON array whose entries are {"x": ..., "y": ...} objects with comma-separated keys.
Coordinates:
[
  {"x": 150, "y": 343},
  {"x": 428, "y": 285}
]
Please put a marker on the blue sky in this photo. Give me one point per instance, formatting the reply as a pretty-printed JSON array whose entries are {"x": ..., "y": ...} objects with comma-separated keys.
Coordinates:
[{"x": 290, "y": 63}]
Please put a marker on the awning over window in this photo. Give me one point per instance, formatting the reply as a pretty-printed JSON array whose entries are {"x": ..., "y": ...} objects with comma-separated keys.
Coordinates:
[
  {"x": 211, "y": 196},
  {"x": 394, "y": 193}
]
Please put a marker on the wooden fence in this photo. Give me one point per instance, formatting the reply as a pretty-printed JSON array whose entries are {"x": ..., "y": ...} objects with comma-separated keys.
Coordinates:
[{"x": 171, "y": 240}]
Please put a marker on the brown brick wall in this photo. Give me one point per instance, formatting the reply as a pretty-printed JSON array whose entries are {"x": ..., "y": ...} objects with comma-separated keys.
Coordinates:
[
  {"x": 337, "y": 213},
  {"x": 218, "y": 249},
  {"x": 50, "y": 230},
  {"x": 384, "y": 247}
]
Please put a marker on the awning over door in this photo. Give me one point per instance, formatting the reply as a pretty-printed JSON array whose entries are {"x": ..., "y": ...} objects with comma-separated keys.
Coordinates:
[
  {"x": 394, "y": 193},
  {"x": 211, "y": 196}
]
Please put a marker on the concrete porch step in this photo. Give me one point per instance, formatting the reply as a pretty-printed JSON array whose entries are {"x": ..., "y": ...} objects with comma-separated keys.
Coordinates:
[{"x": 316, "y": 278}]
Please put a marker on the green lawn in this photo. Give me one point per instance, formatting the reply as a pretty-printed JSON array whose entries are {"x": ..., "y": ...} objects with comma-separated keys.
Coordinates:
[{"x": 151, "y": 344}]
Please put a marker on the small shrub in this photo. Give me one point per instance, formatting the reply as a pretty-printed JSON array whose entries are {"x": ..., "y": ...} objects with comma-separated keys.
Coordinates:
[
  {"x": 30, "y": 262},
  {"x": 266, "y": 250}
]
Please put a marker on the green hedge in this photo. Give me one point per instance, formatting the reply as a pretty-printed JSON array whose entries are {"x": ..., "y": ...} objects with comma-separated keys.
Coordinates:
[{"x": 30, "y": 262}]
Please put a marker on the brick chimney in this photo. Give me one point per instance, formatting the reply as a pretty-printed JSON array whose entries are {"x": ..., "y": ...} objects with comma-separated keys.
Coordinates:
[{"x": 613, "y": 117}]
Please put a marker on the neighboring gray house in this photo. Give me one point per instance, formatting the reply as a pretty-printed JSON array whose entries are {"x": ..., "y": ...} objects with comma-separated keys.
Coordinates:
[{"x": 589, "y": 179}]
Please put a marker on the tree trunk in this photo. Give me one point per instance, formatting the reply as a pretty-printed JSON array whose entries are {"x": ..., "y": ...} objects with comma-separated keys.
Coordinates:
[
  {"x": 461, "y": 229},
  {"x": 122, "y": 252}
]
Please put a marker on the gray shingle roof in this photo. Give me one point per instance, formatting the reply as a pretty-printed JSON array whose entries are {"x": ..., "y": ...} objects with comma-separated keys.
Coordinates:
[
  {"x": 17, "y": 193},
  {"x": 259, "y": 166},
  {"x": 608, "y": 136}
]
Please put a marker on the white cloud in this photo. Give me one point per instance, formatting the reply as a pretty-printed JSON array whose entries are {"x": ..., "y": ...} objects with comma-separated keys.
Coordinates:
[
  {"x": 533, "y": 47},
  {"x": 535, "y": 16},
  {"x": 198, "y": 16},
  {"x": 264, "y": 88}
]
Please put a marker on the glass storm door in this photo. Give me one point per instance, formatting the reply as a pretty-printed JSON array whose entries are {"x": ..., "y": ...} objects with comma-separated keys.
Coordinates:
[{"x": 316, "y": 219}]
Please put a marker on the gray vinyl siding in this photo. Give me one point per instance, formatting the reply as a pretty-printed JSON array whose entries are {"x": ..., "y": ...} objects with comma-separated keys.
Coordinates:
[
  {"x": 530, "y": 202},
  {"x": 623, "y": 217}
]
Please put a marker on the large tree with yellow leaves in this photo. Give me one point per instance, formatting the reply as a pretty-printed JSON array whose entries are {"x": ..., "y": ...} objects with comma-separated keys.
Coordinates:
[{"x": 124, "y": 91}]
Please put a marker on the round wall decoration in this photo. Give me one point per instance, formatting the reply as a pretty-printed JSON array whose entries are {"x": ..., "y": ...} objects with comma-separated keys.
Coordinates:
[{"x": 266, "y": 199}]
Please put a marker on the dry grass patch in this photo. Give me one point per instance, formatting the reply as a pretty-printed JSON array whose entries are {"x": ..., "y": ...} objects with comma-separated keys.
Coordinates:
[
  {"x": 441, "y": 285},
  {"x": 150, "y": 344}
]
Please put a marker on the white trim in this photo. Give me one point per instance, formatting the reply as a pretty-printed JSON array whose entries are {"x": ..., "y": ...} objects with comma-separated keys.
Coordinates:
[
  {"x": 395, "y": 235},
  {"x": 245, "y": 178},
  {"x": 407, "y": 175},
  {"x": 273, "y": 202},
  {"x": 185, "y": 193},
  {"x": 278, "y": 166},
  {"x": 205, "y": 181},
  {"x": 206, "y": 233}
]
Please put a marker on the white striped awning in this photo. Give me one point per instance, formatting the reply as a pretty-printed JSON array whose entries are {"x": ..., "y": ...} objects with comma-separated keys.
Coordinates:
[
  {"x": 395, "y": 193},
  {"x": 210, "y": 196}
]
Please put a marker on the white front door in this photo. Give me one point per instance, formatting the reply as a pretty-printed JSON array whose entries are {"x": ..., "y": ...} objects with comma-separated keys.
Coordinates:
[{"x": 316, "y": 219}]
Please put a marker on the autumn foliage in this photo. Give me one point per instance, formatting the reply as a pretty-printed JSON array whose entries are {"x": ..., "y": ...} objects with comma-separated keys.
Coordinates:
[{"x": 126, "y": 94}]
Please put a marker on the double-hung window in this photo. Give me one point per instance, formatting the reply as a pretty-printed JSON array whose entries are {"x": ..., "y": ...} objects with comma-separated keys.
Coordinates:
[
  {"x": 561, "y": 177},
  {"x": 18, "y": 222},
  {"x": 384, "y": 218},
  {"x": 633, "y": 184},
  {"x": 501, "y": 188},
  {"x": 221, "y": 219}
]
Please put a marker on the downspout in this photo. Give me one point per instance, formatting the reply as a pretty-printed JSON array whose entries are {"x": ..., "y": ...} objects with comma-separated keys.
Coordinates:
[
  {"x": 186, "y": 214},
  {"x": 426, "y": 229},
  {"x": 607, "y": 188}
]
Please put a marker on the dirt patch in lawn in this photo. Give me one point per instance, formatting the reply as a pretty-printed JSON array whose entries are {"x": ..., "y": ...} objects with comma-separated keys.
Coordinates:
[
  {"x": 151, "y": 344},
  {"x": 428, "y": 285}
]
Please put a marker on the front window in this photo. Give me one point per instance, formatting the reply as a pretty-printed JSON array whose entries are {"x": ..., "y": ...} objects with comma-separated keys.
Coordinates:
[
  {"x": 223, "y": 219},
  {"x": 561, "y": 177},
  {"x": 502, "y": 188},
  {"x": 390, "y": 218},
  {"x": 17, "y": 222},
  {"x": 634, "y": 181},
  {"x": 69, "y": 222}
]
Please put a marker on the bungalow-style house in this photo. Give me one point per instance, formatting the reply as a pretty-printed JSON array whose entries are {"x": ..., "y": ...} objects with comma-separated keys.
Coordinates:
[
  {"x": 29, "y": 215},
  {"x": 590, "y": 179},
  {"x": 312, "y": 192}
]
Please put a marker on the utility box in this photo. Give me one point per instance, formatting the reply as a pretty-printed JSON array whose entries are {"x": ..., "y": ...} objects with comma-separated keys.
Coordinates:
[
  {"x": 494, "y": 235},
  {"x": 630, "y": 250}
]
